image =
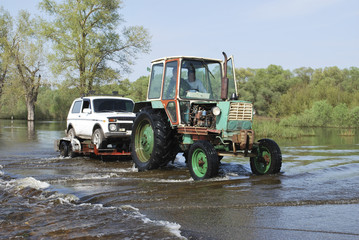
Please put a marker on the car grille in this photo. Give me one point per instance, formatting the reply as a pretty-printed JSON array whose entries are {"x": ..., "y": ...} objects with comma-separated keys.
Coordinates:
[
  {"x": 240, "y": 111},
  {"x": 124, "y": 118},
  {"x": 127, "y": 126}
]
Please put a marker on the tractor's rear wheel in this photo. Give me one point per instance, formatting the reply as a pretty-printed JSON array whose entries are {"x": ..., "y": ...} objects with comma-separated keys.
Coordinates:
[
  {"x": 268, "y": 159},
  {"x": 203, "y": 160},
  {"x": 153, "y": 143}
]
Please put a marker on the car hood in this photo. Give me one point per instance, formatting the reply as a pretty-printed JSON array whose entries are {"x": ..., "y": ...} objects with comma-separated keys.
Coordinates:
[{"x": 117, "y": 115}]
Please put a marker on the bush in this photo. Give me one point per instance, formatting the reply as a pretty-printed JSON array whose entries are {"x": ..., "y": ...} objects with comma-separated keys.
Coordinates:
[
  {"x": 354, "y": 117},
  {"x": 340, "y": 115},
  {"x": 269, "y": 128},
  {"x": 321, "y": 113}
]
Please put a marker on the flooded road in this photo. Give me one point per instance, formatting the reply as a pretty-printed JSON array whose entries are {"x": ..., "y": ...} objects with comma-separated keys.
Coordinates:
[{"x": 316, "y": 195}]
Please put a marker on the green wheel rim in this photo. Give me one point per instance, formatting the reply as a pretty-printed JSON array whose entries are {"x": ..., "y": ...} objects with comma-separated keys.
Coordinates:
[
  {"x": 199, "y": 163},
  {"x": 144, "y": 141},
  {"x": 263, "y": 162}
]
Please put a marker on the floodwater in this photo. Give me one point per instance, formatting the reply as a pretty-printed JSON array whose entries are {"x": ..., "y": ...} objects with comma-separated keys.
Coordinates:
[{"x": 43, "y": 196}]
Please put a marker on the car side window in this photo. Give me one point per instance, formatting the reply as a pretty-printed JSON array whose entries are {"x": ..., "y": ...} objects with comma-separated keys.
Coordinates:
[
  {"x": 77, "y": 107},
  {"x": 86, "y": 104}
]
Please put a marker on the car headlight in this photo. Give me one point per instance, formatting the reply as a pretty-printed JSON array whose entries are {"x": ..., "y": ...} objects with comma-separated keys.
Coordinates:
[
  {"x": 216, "y": 111},
  {"x": 113, "y": 127}
]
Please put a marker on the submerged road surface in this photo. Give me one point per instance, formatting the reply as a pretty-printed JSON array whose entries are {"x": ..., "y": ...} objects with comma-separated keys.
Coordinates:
[{"x": 316, "y": 195}]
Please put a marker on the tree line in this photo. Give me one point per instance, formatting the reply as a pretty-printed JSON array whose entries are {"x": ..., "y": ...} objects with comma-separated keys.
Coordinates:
[
  {"x": 300, "y": 97},
  {"x": 80, "y": 41},
  {"x": 303, "y": 97},
  {"x": 53, "y": 103}
]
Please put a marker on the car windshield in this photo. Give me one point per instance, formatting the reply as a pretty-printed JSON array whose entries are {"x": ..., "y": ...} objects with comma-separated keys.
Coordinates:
[{"x": 112, "y": 105}]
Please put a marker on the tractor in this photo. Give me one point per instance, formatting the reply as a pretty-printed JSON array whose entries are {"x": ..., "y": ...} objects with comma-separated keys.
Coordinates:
[{"x": 192, "y": 107}]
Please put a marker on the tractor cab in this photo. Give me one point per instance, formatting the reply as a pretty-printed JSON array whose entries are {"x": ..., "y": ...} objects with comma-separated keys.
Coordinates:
[{"x": 177, "y": 82}]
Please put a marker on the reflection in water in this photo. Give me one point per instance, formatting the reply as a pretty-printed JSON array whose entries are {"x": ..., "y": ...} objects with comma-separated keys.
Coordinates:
[{"x": 31, "y": 135}]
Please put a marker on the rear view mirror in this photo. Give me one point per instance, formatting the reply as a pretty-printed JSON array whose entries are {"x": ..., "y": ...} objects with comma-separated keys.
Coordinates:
[{"x": 87, "y": 110}]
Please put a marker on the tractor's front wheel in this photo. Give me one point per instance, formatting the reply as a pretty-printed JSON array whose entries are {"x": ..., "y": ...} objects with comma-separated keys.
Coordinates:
[
  {"x": 268, "y": 159},
  {"x": 203, "y": 160}
]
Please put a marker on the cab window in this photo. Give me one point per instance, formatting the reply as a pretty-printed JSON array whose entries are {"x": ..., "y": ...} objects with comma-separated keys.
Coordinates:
[
  {"x": 169, "y": 87},
  {"x": 230, "y": 76},
  {"x": 155, "y": 81}
]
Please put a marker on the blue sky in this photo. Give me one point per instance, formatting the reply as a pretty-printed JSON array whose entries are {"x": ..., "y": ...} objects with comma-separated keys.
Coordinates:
[{"x": 290, "y": 33}]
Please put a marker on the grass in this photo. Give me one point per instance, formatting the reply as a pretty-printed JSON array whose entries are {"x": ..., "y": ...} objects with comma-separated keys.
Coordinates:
[
  {"x": 347, "y": 132},
  {"x": 270, "y": 128}
]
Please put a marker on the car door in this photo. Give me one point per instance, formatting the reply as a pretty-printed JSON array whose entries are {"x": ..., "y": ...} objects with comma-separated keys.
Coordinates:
[
  {"x": 85, "y": 119},
  {"x": 74, "y": 116}
]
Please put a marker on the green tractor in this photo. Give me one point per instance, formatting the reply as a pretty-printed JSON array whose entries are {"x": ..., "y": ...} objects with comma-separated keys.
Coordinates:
[{"x": 192, "y": 107}]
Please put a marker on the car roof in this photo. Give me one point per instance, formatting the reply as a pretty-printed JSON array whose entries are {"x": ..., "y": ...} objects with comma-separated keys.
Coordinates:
[{"x": 104, "y": 97}]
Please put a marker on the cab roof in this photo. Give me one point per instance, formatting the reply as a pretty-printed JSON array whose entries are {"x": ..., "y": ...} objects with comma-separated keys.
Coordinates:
[{"x": 185, "y": 57}]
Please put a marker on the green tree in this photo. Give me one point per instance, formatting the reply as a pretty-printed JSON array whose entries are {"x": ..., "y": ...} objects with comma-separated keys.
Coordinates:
[
  {"x": 242, "y": 77},
  {"x": 303, "y": 75},
  {"x": 139, "y": 89},
  {"x": 264, "y": 87},
  {"x": 321, "y": 113},
  {"x": 27, "y": 57},
  {"x": 12, "y": 101},
  {"x": 351, "y": 80},
  {"x": 354, "y": 117},
  {"x": 6, "y": 46},
  {"x": 340, "y": 115},
  {"x": 87, "y": 42}
]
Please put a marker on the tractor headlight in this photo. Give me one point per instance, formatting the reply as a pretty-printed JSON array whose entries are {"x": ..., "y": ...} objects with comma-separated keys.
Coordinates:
[
  {"x": 216, "y": 111},
  {"x": 113, "y": 127}
]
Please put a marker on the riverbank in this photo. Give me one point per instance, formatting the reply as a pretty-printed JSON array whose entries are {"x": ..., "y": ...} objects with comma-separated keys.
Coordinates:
[{"x": 265, "y": 127}]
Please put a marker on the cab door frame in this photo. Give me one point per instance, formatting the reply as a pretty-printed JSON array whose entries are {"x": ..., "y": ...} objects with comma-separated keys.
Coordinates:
[
  {"x": 231, "y": 60},
  {"x": 170, "y": 103}
]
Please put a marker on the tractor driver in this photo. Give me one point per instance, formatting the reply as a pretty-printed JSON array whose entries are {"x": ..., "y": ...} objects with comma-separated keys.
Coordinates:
[{"x": 194, "y": 83}]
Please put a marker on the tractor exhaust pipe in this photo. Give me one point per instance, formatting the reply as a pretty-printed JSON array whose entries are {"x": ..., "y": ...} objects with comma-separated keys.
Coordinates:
[{"x": 224, "y": 85}]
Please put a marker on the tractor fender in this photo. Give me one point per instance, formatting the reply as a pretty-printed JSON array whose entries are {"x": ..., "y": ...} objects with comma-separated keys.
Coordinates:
[{"x": 153, "y": 104}]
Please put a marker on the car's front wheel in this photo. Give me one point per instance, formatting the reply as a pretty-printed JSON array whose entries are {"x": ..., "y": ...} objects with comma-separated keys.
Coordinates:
[
  {"x": 98, "y": 139},
  {"x": 71, "y": 133}
]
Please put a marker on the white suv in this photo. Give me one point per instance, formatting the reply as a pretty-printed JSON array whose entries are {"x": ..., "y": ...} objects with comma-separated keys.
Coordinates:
[{"x": 103, "y": 119}]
